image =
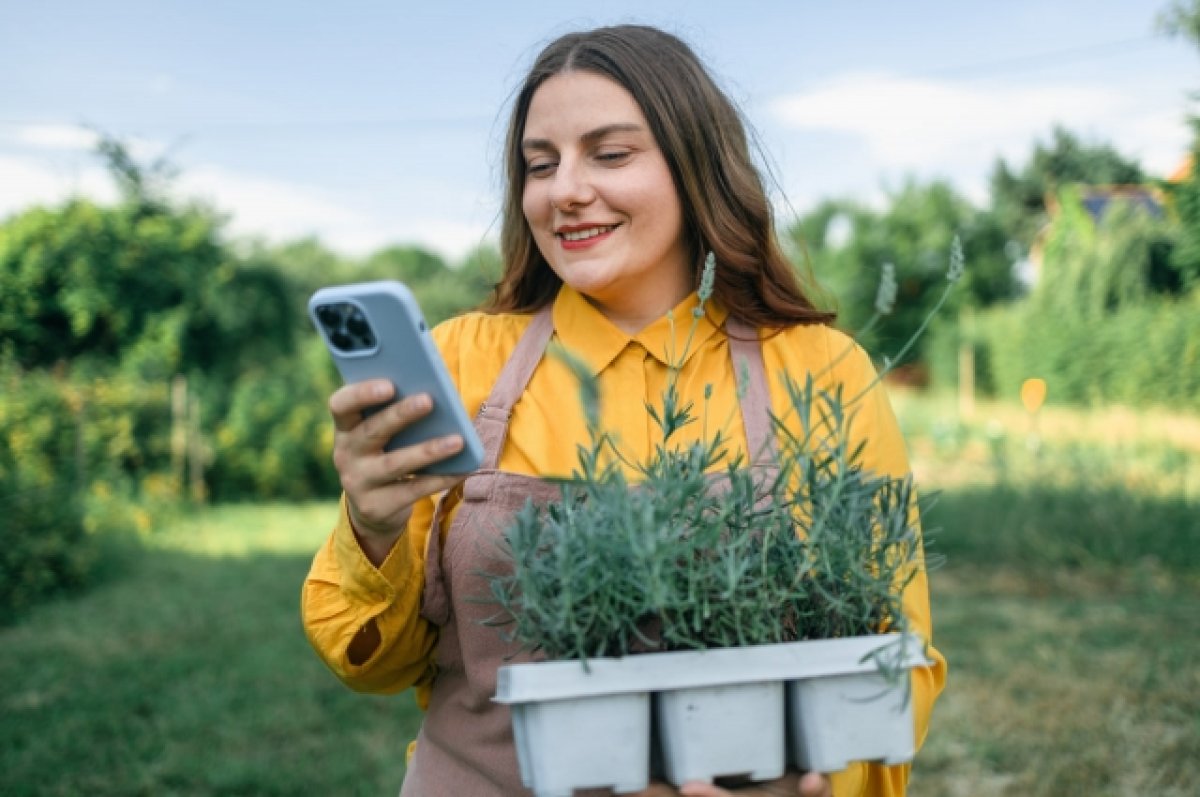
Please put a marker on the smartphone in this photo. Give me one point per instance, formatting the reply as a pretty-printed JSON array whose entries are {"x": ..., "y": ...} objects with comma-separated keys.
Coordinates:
[{"x": 376, "y": 330}]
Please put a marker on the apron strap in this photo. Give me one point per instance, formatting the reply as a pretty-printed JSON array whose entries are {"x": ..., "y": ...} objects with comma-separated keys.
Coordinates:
[
  {"x": 492, "y": 420},
  {"x": 745, "y": 350},
  {"x": 492, "y": 425}
]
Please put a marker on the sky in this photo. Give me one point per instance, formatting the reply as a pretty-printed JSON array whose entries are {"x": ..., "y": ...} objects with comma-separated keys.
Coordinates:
[{"x": 375, "y": 123}]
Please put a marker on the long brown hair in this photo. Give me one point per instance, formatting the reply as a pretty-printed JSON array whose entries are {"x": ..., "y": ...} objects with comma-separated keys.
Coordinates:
[{"x": 701, "y": 135}]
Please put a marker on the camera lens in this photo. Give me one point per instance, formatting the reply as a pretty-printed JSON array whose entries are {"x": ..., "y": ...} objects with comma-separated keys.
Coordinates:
[
  {"x": 357, "y": 324},
  {"x": 328, "y": 315},
  {"x": 342, "y": 340},
  {"x": 367, "y": 339}
]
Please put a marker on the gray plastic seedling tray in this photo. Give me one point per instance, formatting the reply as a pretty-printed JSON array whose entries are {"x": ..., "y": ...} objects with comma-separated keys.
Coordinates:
[{"x": 564, "y": 712}]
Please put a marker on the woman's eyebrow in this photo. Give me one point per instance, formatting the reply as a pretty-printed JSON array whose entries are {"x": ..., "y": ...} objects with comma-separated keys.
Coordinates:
[{"x": 590, "y": 137}]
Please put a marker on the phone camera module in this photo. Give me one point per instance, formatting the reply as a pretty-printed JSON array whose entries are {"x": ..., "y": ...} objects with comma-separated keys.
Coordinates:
[{"x": 346, "y": 326}]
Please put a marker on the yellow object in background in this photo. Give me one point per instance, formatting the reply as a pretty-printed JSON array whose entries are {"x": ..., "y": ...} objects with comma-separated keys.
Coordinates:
[{"x": 1033, "y": 394}]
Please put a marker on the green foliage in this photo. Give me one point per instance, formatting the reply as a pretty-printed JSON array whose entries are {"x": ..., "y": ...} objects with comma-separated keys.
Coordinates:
[
  {"x": 43, "y": 548},
  {"x": 276, "y": 440},
  {"x": 79, "y": 455},
  {"x": 411, "y": 265},
  {"x": 1093, "y": 267},
  {"x": 131, "y": 295},
  {"x": 1181, "y": 18},
  {"x": 1142, "y": 355},
  {"x": 1019, "y": 194},
  {"x": 913, "y": 235},
  {"x": 701, "y": 550},
  {"x": 442, "y": 291},
  {"x": 1105, "y": 323},
  {"x": 463, "y": 288},
  {"x": 1185, "y": 201},
  {"x": 149, "y": 288},
  {"x": 1093, "y": 525},
  {"x": 704, "y": 552}
]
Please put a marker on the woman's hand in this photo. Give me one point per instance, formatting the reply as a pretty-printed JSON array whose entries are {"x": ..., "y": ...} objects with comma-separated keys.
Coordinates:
[
  {"x": 810, "y": 784},
  {"x": 380, "y": 486}
]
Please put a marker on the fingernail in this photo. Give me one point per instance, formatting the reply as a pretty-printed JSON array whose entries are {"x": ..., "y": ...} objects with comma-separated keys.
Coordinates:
[
  {"x": 419, "y": 402},
  {"x": 450, "y": 444}
]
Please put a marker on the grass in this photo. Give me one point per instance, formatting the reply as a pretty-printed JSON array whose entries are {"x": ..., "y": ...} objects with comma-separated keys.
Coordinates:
[
  {"x": 1064, "y": 684},
  {"x": 1068, "y": 605},
  {"x": 185, "y": 672},
  {"x": 1067, "y": 610}
]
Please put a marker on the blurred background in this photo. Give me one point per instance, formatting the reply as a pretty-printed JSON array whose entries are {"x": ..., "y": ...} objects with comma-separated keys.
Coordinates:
[{"x": 176, "y": 179}]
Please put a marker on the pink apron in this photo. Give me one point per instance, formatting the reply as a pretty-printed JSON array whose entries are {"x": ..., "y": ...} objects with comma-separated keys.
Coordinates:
[{"x": 465, "y": 747}]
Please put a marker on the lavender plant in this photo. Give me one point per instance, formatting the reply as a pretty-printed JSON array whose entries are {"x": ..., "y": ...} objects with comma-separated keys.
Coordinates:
[{"x": 700, "y": 550}]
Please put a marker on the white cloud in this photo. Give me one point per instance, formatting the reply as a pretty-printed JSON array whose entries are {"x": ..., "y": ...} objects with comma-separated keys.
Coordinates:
[
  {"x": 280, "y": 210},
  {"x": 69, "y": 137},
  {"x": 77, "y": 138},
  {"x": 956, "y": 130},
  {"x": 26, "y": 181},
  {"x": 914, "y": 122},
  {"x": 1159, "y": 139},
  {"x": 275, "y": 210}
]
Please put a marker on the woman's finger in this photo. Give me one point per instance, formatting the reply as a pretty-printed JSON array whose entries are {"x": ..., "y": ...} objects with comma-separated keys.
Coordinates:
[
  {"x": 404, "y": 463},
  {"x": 374, "y": 432},
  {"x": 348, "y": 402},
  {"x": 384, "y": 511},
  {"x": 814, "y": 784},
  {"x": 790, "y": 785}
]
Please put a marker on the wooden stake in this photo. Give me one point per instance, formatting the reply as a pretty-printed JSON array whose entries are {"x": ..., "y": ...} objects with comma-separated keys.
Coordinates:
[
  {"x": 195, "y": 452},
  {"x": 966, "y": 380},
  {"x": 179, "y": 431}
]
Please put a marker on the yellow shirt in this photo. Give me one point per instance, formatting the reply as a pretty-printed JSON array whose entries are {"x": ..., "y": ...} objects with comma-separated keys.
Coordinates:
[{"x": 344, "y": 590}]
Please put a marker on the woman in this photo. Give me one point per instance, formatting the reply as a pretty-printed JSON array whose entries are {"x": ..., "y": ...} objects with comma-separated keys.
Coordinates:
[{"x": 625, "y": 166}]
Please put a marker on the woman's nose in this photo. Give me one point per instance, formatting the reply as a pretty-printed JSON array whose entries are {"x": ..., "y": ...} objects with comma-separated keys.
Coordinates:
[{"x": 571, "y": 187}]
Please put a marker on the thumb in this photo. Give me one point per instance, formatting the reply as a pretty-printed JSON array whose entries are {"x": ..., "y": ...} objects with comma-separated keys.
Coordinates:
[{"x": 814, "y": 784}]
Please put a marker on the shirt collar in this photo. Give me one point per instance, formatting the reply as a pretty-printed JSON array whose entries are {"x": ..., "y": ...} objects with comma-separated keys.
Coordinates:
[{"x": 585, "y": 331}]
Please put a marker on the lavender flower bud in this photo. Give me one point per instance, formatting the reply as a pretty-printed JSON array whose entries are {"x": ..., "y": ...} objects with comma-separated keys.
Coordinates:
[
  {"x": 956, "y": 260},
  {"x": 885, "y": 298},
  {"x": 707, "y": 277}
]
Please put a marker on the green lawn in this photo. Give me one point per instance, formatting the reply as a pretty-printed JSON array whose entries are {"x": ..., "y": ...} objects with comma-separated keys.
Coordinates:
[
  {"x": 1068, "y": 610},
  {"x": 186, "y": 672},
  {"x": 1065, "y": 684},
  {"x": 1069, "y": 601}
]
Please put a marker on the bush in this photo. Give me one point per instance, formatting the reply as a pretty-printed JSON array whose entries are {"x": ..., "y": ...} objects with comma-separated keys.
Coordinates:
[
  {"x": 276, "y": 441},
  {"x": 1110, "y": 320},
  {"x": 1140, "y": 355},
  {"x": 81, "y": 457},
  {"x": 43, "y": 547}
]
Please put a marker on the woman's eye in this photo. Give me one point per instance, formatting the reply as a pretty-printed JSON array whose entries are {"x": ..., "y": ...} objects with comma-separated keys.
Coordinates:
[
  {"x": 539, "y": 168},
  {"x": 612, "y": 156}
]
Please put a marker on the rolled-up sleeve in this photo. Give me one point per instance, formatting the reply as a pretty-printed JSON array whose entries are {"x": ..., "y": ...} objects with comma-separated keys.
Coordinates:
[{"x": 344, "y": 591}]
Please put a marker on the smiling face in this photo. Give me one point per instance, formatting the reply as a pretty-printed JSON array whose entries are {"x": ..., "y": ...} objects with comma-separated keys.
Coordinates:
[{"x": 600, "y": 201}]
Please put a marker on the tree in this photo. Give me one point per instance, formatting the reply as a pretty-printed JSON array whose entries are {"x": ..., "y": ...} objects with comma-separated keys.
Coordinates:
[
  {"x": 1096, "y": 267},
  {"x": 848, "y": 244},
  {"x": 1019, "y": 195},
  {"x": 144, "y": 285},
  {"x": 412, "y": 265},
  {"x": 1182, "y": 18}
]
